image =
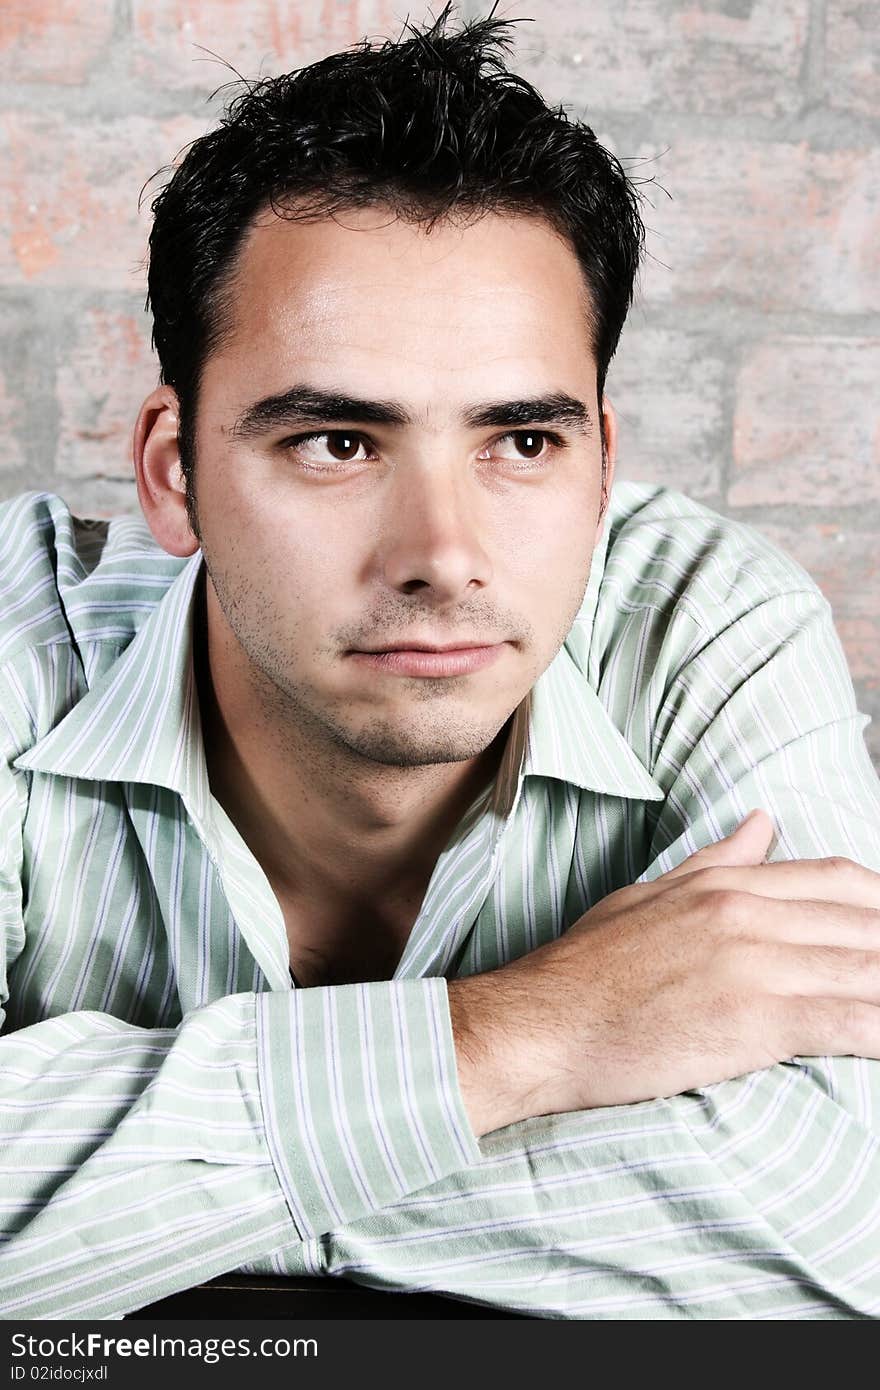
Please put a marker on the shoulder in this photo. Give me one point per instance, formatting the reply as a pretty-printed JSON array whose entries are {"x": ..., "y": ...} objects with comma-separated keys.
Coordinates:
[
  {"x": 73, "y": 580},
  {"x": 670, "y": 554},
  {"x": 668, "y": 576}
]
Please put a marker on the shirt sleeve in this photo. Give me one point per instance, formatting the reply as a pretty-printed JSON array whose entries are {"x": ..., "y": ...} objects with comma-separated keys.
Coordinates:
[
  {"x": 137, "y": 1162},
  {"x": 757, "y": 1197}
]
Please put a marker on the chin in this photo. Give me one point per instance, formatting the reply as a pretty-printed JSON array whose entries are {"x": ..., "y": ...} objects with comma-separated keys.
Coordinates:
[{"x": 420, "y": 748}]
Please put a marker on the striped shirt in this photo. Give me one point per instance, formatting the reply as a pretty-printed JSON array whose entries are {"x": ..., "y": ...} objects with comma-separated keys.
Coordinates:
[{"x": 173, "y": 1107}]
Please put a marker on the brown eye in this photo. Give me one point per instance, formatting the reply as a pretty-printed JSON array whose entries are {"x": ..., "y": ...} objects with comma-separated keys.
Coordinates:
[
  {"x": 529, "y": 443},
  {"x": 342, "y": 446},
  {"x": 525, "y": 451}
]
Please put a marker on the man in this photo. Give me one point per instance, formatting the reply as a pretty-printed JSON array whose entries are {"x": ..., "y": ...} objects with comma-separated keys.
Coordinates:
[{"x": 375, "y": 898}]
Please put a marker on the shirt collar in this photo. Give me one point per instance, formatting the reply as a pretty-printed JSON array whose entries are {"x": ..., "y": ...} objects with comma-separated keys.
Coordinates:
[
  {"x": 562, "y": 730},
  {"x": 140, "y": 721}
]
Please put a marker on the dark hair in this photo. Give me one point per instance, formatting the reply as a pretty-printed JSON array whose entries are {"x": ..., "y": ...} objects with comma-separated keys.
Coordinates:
[{"x": 433, "y": 127}]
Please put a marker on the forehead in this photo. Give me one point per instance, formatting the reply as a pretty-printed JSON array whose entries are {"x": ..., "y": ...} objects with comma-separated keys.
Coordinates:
[{"x": 366, "y": 282}]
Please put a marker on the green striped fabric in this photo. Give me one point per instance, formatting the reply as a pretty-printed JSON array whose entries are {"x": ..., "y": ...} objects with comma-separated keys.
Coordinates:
[{"x": 172, "y": 1107}]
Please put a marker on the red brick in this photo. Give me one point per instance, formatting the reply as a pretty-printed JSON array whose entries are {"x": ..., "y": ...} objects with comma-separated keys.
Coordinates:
[
  {"x": 767, "y": 226},
  {"x": 806, "y": 429},
  {"x": 71, "y": 189},
  {"x": 260, "y": 39},
  {"x": 673, "y": 54},
  {"x": 105, "y": 370},
  {"x": 852, "y": 55},
  {"x": 666, "y": 389},
  {"x": 53, "y": 40}
]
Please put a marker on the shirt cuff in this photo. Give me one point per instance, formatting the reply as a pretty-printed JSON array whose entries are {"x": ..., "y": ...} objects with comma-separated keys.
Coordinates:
[{"x": 360, "y": 1094}]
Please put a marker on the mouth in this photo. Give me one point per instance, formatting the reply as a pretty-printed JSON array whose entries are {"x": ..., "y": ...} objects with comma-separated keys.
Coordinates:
[
  {"x": 420, "y": 659},
  {"x": 412, "y": 645}
]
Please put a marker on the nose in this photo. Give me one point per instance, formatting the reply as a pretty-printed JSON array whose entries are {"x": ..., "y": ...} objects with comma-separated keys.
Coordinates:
[{"x": 431, "y": 538}]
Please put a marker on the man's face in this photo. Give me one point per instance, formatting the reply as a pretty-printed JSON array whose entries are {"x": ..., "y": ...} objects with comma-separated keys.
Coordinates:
[{"x": 378, "y": 533}]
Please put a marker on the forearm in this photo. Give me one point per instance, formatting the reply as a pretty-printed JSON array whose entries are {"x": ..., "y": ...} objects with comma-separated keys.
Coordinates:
[
  {"x": 134, "y": 1160},
  {"x": 754, "y": 1198},
  {"x": 749, "y": 1197},
  {"x": 138, "y": 1162}
]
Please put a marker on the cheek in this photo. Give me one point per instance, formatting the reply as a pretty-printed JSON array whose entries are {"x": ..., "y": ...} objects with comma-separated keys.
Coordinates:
[
  {"x": 552, "y": 571},
  {"x": 291, "y": 544},
  {"x": 551, "y": 543}
]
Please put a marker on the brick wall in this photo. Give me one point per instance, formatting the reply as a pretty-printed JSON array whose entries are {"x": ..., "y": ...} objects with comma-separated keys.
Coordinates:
[{"x": 747, "y": 374}]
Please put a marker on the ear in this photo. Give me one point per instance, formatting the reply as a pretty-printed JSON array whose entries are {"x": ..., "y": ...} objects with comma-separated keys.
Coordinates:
[
  {"x": 609, "y": 434},
  {"x": 160, "y": 482}
]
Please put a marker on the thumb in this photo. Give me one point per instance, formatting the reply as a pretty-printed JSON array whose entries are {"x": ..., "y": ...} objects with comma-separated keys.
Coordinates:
[{"x": 748, "y": 843}]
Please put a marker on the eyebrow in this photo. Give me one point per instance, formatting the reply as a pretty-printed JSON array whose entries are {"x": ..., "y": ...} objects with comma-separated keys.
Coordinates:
[{"x": 307, "y": 405}]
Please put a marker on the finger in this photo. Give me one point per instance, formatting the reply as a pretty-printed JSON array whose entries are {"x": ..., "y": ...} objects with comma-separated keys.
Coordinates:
[
  {"x": 838, "y": 972},
  {"x": 748, "y": 843},
  {"x": 833, "y": 880},
  {"x": 832, "y": 1028}
]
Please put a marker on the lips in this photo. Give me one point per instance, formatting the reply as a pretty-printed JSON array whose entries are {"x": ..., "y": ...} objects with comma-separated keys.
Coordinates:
[
  {"x": 415, "y": 646},
  {"x": 429, "y": 661}
]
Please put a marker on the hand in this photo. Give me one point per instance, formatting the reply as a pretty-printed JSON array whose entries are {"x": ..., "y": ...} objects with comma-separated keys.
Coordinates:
[{"x": 723, "y": 966}]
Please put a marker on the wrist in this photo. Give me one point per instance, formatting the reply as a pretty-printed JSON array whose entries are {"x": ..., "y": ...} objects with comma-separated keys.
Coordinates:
[{"x": 499, "y": 1077}]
